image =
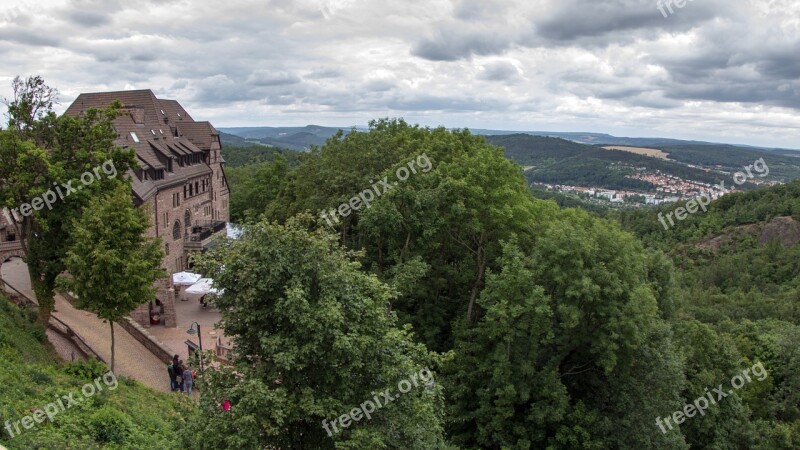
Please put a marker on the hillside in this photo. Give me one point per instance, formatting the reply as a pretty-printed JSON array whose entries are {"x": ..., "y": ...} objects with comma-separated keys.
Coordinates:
[
  {"x": 557, "y": 161},
  {"x": 128, "y": 416},
  {"x": 292, "y": 138},
  {"x": 728, "y": 212}
]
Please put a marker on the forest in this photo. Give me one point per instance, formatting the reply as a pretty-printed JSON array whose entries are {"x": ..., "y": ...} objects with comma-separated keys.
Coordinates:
[{"x": 545, "y": 327}]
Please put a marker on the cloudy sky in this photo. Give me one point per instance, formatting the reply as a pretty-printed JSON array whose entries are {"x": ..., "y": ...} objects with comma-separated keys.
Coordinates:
[{"x": 721, "y": 70}]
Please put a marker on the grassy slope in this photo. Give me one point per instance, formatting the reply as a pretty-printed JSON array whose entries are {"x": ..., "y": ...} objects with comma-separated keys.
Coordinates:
[{"x": 31, "y": 376}]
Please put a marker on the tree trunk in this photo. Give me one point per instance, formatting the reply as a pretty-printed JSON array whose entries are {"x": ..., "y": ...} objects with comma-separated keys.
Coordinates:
[
  {"x": 478, "y": 279},
  {"x": 111, "y": 322},
  {"x": 44, "y": 296}
]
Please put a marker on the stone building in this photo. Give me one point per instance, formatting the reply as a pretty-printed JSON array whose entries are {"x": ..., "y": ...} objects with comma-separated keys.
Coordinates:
[{"x": 180, "y": 182}]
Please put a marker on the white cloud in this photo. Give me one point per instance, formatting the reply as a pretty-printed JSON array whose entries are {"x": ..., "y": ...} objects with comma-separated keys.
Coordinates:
[{"x": 715, "y": 70}]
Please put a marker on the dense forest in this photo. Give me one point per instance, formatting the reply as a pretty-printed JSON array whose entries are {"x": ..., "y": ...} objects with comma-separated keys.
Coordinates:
[{"x": 545, "y": 327}]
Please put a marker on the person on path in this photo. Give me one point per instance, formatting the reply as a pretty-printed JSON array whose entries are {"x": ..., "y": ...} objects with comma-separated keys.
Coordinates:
[
  {"x": 176, "y": 372},
  {"x": 188, "y": 380},
  {"x": 173, "y": 382},
  {"x": 179, "y": 370}
]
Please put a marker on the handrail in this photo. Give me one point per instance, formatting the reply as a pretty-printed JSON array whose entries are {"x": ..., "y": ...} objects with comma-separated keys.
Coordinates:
[
  {"x": 70, "y": 332},
  {"x": 30, "y": 300}
]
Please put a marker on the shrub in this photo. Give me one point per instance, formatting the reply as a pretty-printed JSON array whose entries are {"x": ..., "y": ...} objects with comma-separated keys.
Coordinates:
[
  {"x": 39, "y": 333},
  {"x": 40, "y": 377},
  {"x": 109, "y": 425},
  {"x": 87, "y": 370}
]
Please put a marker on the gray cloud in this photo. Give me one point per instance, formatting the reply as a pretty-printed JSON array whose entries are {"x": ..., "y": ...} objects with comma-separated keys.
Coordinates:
[
  {"x": 456, "y": 43},
  {"x": 88, "y": 18},
  {"x": 266, "y": 77},
  {"x": 500, "y": 71},
  {"x": 18, "y": 35},
  {"x": 576, "y": 19},
  {"x": 713, "y": 68}
]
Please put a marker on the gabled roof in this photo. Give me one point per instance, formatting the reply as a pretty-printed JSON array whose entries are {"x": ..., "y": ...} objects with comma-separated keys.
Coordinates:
[
  {"x": 148, "y": 125},
  {"x": 200, "y": 133}
]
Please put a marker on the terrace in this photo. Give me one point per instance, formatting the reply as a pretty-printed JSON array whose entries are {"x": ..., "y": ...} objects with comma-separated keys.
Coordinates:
[{"x": 203, "y": 234}]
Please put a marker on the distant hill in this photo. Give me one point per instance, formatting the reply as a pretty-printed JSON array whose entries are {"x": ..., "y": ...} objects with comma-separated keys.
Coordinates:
[
  {"x": 296, "y": 138},
  {"x": 607, "y": 139},
  {"x": 567, "y": 158},
  {"x": 558, "y": 161},
  {"x": 233, "y": 140},
  {"x": 292, "y": 138}
]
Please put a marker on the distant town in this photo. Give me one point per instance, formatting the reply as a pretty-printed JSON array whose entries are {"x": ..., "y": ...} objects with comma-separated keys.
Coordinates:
[{"x": 669, "y": 188}]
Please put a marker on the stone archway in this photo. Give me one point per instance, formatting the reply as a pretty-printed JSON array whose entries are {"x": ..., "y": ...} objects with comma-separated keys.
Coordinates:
[
  {"x": 14, "y": 272},
  {"x": 9, "y": 250}
]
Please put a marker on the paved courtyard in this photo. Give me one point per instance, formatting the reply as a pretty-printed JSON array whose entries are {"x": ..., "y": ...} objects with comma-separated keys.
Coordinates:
[{"x": 187, "y": 311}]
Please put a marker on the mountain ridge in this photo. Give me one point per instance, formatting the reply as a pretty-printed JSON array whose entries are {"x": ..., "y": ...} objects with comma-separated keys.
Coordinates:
[{"x": 283, "y": 137}]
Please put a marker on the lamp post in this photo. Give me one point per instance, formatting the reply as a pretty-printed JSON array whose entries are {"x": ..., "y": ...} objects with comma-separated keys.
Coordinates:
[{"x": 192, "y": 331}]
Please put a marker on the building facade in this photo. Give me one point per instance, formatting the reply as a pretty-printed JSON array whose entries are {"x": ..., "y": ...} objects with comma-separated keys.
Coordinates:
[{"x": 179, "y": 180}]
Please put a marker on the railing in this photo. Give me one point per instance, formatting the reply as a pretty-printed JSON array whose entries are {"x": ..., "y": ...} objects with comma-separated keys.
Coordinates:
[
  {"x": 59, "y": 326},
  {"x": 216, "y": 225},
  {"x": 202, "y": 232}
]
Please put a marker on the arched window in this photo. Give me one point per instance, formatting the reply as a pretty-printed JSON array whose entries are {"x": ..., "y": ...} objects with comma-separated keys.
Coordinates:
[
  {"x": 187, "y": 218},
  {"x": 176, "y": 230}
]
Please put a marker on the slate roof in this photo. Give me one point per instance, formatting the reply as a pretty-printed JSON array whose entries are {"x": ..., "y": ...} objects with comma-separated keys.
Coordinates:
[{"x": 155, "y": 124}]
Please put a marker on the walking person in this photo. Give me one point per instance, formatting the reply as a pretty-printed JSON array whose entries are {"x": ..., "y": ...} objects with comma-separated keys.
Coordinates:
[
  {"x": 173, "y": 383},
  {"x": 176, "y": 372},
  {"x": 179, "y": 370},
  {"x": 188, "y": 380}
]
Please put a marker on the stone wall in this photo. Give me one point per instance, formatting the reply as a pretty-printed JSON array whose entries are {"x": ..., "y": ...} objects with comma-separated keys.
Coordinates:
[{"x": 161, "y": 351}]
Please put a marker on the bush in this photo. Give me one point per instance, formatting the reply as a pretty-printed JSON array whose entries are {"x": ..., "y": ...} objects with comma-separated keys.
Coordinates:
[
  {"x": 110, "y": 426},
  {"x": 40, "y": 377},
  {"x": 90, "y": 369},
  {"x": 39, "y": 333}
]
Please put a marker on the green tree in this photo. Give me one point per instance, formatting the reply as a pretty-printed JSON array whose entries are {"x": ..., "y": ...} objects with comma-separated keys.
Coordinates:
[
  {"x": 40, "y": 153},
  {"x": 432, "y": 236},
  {"x": 112, "y": 265},
  {"x": 568, "y": 346},
  {"x": 255, "y": 187},
  {"x": 313, "y": 338}
]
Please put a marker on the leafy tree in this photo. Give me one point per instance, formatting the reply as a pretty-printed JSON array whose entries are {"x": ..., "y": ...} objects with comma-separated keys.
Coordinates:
[
  {"x": 313, "y": 339},
  {"x": 39, "y": 154},
  {"x": 569, "y": 344},
  {"x": 432, "y": 236},
  {"x": 255, "y": 187},
  {"x": 112, "y": 265}
]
